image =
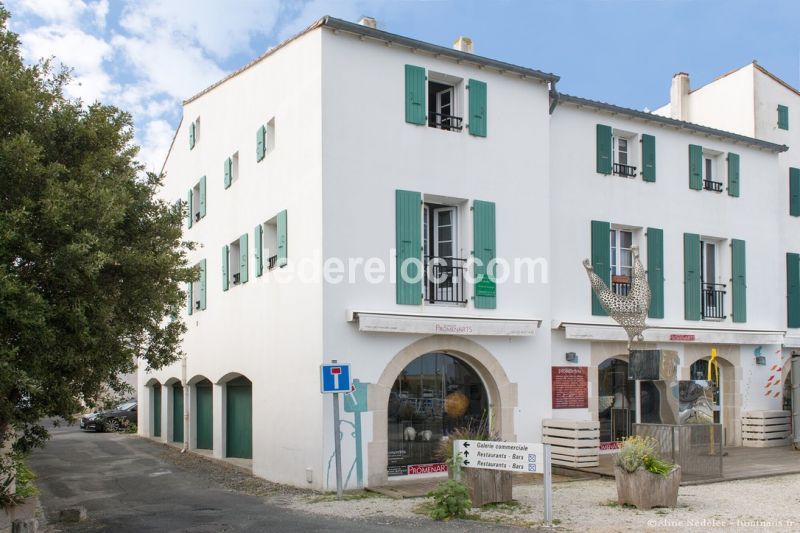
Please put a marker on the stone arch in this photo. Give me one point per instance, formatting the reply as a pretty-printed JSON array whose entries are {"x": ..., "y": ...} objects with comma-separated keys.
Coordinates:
[
  {"x": 730, "y": 394},
  {"x": 152, "y": 382},
  {"x": 501, "y": 391},
  {"x": 230, "y": 376}
]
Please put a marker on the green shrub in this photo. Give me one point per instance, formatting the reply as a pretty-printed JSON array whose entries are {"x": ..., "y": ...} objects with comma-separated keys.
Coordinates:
[
  {"x": 450, "y": 500},
  {"x": 640, "y": 452},
  {"x": 25, "y": 478}
]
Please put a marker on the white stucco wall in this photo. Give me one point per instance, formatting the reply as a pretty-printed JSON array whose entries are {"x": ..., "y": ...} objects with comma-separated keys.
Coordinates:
[
  {"x": 369, "y": 151},
  {"x": 268, "y": 331}
]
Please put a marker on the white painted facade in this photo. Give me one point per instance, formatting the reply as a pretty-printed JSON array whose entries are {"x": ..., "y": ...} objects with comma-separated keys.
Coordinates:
[{"x": 338, "y": 152}]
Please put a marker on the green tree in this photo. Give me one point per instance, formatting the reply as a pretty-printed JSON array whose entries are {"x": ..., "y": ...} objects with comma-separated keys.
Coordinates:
[{"x": 91, "y": 261}]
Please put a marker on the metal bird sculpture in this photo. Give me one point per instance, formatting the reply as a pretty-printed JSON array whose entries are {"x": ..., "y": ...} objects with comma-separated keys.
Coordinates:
[{"x": 629, "y": 311}]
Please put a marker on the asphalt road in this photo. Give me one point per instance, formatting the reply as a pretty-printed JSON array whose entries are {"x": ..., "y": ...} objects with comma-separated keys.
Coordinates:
[{"x": 126, "y": 485}]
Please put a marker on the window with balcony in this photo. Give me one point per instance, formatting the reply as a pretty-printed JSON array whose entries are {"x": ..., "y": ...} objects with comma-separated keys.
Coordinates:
[
  {"x": 621, "y": 260},
  {"x": 444, "y": 266},
  {"x": 444, "y": 102},
  {"x": 710, "y": 171},
  {"x": 712, "y": 305},
  {"x": 234, "y": 267},
  {"x": 231, "y": 169},
  {"x": 623, "y": 145},
  {"x": 271, "y": 243},
  {"x": 196, "y": 202}
]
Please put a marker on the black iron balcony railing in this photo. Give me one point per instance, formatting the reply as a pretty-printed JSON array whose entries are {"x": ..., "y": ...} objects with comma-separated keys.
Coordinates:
[
  {"x": 236, "y": 278},
  {"x": 444, "y": 279},
  {"x": 715, "y": 186},
  {"x": 197, "y": 217},
  {"x": 620, "y": 285},
  {"x": 272, "y": 261},
  {"x": 713, "y": 306},
  {"x": 627, "y": 171},
  {"x": 197, "y": 304},
  {"x": 444, "y": 122}
]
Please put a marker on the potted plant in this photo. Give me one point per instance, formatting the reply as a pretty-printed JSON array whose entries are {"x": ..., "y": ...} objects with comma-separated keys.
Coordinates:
[
  {"x": 485, "y": 486},
  {"x": 644, "y": 480}
]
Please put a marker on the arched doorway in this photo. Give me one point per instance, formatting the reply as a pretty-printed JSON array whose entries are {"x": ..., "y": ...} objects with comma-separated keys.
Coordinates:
[
  {"x": 699, "y": 371},
  {"x": 434, "y": 395},
  {"x": 726, "y": 397},
  {"x": 177, "y": 412},
  {"x": 156, "y": 430},
  {"x": 204, "y": 417},
  {"x": 239, "y": 418},
  {"x": 616, "y": 408}
]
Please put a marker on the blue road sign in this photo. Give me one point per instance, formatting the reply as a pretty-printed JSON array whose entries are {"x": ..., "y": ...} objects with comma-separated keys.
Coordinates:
[{"x": 335, "y": 377}]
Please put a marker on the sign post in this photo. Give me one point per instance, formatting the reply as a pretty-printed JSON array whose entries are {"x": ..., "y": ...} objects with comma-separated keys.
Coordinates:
[
  {"x": 511, "y": 456},
  {"x": 335, "y": 378}
]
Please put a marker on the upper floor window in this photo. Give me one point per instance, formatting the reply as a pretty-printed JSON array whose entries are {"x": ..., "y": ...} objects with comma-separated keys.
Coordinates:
[
  {"x": 444, "y": 102},
  {"x": 437, "y": 100},
  {"x": 711, "y": 175},
  {"x": 783, "y": 117},
  {"x": 194, "y": 133},
  {"x": 623, "y": 145},
  {"x": 444, "y": 266},
  {"x": 619, "y": 153},
  {"x": 713, "y": 292},
  {"x": 231, "y": 170},
  {"x": 196, "y": 202},
  {"x": 621, "y": 241}
]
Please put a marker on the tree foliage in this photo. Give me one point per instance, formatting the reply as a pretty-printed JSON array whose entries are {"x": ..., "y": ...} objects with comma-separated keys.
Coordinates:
[{"x": 91, "y": 261}]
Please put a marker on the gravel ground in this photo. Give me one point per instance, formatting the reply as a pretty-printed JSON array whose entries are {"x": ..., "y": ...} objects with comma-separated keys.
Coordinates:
[
  {"x": 764, "y": 505},
  {"x": 767, "y": 504}
]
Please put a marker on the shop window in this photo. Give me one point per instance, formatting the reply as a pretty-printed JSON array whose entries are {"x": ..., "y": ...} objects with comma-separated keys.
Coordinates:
[{"x": 433, "y": 396}]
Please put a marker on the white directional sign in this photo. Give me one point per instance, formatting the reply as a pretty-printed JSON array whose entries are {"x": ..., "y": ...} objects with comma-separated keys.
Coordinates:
[{"x": 512, "y": 456}]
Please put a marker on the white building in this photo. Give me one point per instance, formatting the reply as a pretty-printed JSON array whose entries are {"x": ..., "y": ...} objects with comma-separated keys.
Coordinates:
[{"x": 315, "y": 171}]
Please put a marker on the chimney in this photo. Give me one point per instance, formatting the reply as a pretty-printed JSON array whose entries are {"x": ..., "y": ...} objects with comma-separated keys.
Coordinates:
[
  {"x": 368, "y": 22},
  {"x": 463, "y": 44},
  {"x": 678, "y": 96}
]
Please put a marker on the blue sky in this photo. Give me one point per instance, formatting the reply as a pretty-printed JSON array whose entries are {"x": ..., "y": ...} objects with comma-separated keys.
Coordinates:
[{"x": 147, "y": 55}]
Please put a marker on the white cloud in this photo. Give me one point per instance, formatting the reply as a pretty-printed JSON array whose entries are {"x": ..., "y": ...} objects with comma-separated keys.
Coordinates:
[
  {"x": 82, "y": 52},
  {"x": 100, "y": 12},
  {"x": 219, "y": 28},
  {"x": 59, "y": 11},
  {"x": 156, "y": 138}
]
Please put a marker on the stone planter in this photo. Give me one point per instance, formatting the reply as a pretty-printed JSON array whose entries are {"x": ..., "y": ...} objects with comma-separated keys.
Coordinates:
[
  {"x": 646, "y": 490},
  {"x": 486, "y": 486}
]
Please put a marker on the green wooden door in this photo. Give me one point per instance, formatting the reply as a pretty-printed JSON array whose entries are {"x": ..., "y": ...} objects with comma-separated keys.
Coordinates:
[
  {"x": 157, "y": 411},
  {"x": 177, "y": 413},
  {"x": 205, "y": 417},
  {"x": 239, "y": 415}
]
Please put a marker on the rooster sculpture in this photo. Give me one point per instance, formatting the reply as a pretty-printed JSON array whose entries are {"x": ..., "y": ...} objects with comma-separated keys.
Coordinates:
[{"x": 629, "y": 311}]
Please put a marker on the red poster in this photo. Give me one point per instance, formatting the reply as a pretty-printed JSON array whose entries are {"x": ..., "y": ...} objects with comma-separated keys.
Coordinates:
[{"x": 570, "y": 387}]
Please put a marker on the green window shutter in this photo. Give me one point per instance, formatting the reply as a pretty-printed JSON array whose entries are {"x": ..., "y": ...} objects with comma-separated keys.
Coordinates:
[
  {"x": 733, "y": 174},
  {"x": 783, "y": 117},
  {"x": 202, "y": 208},
  {"x": 604, "y": 158},
  {"x": 192, "y": 135},
  {"x": 691, "y": 276},
  {"x": 202, "y": 297},
  {"x": 228, "y": 172},
  {"x": 261, "y": 143},
  {"x": 794, "y": 192},
  {"x": 189, "y": 210},
  {"x": 189, "y": 299},
  {"x": 477, "y": 108},
  {"x": 243, "y": 258},
  {"x": 258, "y": 235},
  {"x": 655, "y": 271},
  {"x": 283, "y": 238},
  {"x": 601, "y": 259},
  {"x": 225, "y": 252},
  {"x": 648, "y": 157},
  {"x": 408, "y": 233},
  {"x": 415, "y": 95},
  {"x": 484, "y": 241},
  {"x": 793, "y": 290},
  {"x": 739, "y": 280},
  {"x": 695, "y": 167}
]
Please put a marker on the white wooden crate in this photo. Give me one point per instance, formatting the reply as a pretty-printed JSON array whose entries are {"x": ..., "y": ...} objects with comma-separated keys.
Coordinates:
[
  {"x": 573, "y": 443},
  {"x": 764, "y": 429}
]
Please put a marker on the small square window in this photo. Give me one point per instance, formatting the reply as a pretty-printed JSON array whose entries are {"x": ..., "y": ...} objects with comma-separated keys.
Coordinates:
[
  {"x": 444, "y": 102},
  {"x": 234, "y": 263},
  {"x": 711, "y": 171},
  {"x": 624, "y": 153}
]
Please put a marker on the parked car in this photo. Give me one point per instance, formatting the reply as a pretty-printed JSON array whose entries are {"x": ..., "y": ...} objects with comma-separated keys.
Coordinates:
[{"x": 112, "y": 420}]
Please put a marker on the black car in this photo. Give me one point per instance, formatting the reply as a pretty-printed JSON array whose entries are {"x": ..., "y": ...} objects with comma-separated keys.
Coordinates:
[{"x": 114, "y": 419}]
